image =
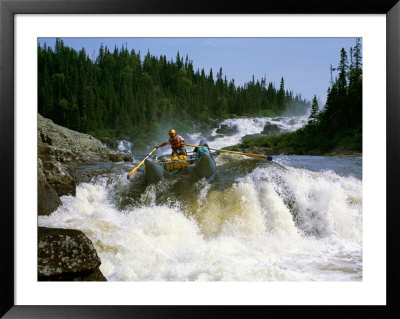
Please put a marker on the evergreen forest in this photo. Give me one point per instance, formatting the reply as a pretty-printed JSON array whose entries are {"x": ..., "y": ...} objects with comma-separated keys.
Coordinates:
[
  {"x": 124, "y": 95},
  {"x": 338, "y": 125}
]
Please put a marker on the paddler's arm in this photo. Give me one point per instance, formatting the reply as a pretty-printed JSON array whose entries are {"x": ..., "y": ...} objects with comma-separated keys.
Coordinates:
[{"x": 161, "y": 145}]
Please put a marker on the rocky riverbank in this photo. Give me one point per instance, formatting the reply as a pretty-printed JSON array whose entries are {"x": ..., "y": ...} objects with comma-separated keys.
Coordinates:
[
  {"x": 60, "y": 151},
  {"x": 65, "y": 254}
]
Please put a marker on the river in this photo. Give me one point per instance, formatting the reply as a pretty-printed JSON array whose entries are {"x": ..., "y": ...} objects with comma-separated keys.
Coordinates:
[{"x": 298, "y": 218}]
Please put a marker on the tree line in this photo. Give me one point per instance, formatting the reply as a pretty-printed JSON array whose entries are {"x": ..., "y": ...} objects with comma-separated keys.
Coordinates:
[
  {"x": 339, "y": 123},
  {"x": 121, "y": 94},
  {"x": 341, "y": 118}
]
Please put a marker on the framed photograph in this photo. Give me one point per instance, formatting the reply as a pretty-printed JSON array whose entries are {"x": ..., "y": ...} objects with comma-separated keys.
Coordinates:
[{"x": 297, "y": 276}]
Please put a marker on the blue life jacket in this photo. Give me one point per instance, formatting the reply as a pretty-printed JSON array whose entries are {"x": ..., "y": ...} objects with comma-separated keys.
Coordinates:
[{"x": 201, "y": 150}]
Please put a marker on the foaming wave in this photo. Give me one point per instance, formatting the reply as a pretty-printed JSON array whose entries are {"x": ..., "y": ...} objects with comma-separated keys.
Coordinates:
[
  {"x": 321, "y": 203},
  {"x": 245, "y": 126},
  {"x": 249, "y": 126},
  {"x": 257, "y": 229}
]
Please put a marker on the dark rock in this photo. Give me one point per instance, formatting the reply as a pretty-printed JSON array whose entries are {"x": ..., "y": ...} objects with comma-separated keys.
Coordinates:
[
  {"x": 214, "y": 137},
  {"x": 64, "y": 156},
  {"x": 111, "y": 143},
  {"x": 48, "y": 200},
  {"x": 60, "y": 150},
  {"x": 85, "y": 174},
  {"x": 271, "y": 129},
  {"x": 128, "y": 158},
  {"x": 205, "y": 126},
  {"x": 60, "y": 177},
  {"x": 226, "y": 129},
  {"x": 45, "y": 139},
  {"x": 45, "y": 151},
  {"x": 67, "y": 255},
  {"x": 116, "y": 157},
  {"x": 249, "y": 136},
  {"x": 79, "y": 147}
]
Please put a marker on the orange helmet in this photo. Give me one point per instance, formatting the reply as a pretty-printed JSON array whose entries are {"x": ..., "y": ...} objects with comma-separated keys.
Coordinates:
[{"x": 172, "y": 132}]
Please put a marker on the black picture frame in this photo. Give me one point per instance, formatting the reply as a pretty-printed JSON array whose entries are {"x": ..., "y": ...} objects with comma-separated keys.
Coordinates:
[{"x": 8, "y": 10}]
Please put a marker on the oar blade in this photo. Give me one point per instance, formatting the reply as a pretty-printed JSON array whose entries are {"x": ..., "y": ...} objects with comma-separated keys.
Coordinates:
[
  {"x": 132, "y": 172},
  {"x": 137, "y": 167}
]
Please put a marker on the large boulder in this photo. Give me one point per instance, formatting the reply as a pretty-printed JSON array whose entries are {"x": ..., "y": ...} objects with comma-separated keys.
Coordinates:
[
  {"x": 60, "y": 150},
  {"x": 67, "y": 255},
  {"x": 251, "y": 136},
  {"x": 70, "y": 146},
  {"x": 116, "y": 157},
  {"x": 227, "y": 129},
  {"x": 271, "y": 129},
  {"x": 214, "y": 137},
  {"x": 205, "y": 126},
  {"x": 111, "y": 143},
  {"x": 60, "y": 177},
  {"x": 128, "y": 158},
  {"x": 48, "y": 200}
]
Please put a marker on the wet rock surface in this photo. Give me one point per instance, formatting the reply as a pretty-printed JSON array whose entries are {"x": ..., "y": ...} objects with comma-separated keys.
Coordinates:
[
  {"x": 227, "y": 130},
  {"x": 271, "y": 129},
  {"x": 49, "y": 200},
  {"x": 68, "y": 146},
  {"x": 67, "y": 255},
  {"x": 60, "y": 151}
]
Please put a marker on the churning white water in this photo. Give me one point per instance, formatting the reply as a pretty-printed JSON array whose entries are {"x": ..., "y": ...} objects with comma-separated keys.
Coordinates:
[
  {"x": 250, "y": 126},
  {"x": 125, "y": 147},
  {"x": 255, "y": 222}
]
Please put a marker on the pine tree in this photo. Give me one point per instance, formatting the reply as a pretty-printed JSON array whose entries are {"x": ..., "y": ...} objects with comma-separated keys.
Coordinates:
[
  {"x": 313, "y": 118},
  {"x": 343, "y": 67},
  {"x": 281, "y": 95}
]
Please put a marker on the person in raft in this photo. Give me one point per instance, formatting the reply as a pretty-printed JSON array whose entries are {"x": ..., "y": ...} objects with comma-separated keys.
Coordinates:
[
  {"x": 204, "y": 148},
  {"x": 177, "y": 144}
]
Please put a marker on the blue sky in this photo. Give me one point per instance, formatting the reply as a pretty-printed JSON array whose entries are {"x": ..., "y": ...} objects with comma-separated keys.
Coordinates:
[{"x": 304, "y": 63}]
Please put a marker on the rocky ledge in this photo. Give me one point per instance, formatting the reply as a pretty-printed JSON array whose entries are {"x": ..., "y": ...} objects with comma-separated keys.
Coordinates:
[
  {"x": 67, "y": 255},
  {"x": 60, "y": 151}
]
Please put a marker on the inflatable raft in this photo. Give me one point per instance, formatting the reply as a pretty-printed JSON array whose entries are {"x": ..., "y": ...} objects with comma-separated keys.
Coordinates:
[{"x": 155, "y": 169}]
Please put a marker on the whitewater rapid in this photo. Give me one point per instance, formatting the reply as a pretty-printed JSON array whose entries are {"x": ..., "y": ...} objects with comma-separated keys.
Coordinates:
[
  {"x": 262, "y": 224},
  {"x": 248, "y": 126}
]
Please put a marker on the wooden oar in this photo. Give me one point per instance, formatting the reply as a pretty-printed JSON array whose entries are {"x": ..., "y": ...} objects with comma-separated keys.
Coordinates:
[
  {"x": 136, "y": 168},
  {"x": 269, "y": 158}
]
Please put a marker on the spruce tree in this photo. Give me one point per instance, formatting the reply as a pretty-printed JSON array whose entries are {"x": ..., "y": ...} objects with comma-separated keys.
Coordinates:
[
  {"x": 313, "y": 118},
  {"x": 281, "y": 95}
]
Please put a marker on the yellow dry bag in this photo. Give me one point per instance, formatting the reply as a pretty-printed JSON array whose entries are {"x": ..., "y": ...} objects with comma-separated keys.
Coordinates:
[
  {"x": 176, "y": 162},
  {"x": 183, "y": 162}
]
